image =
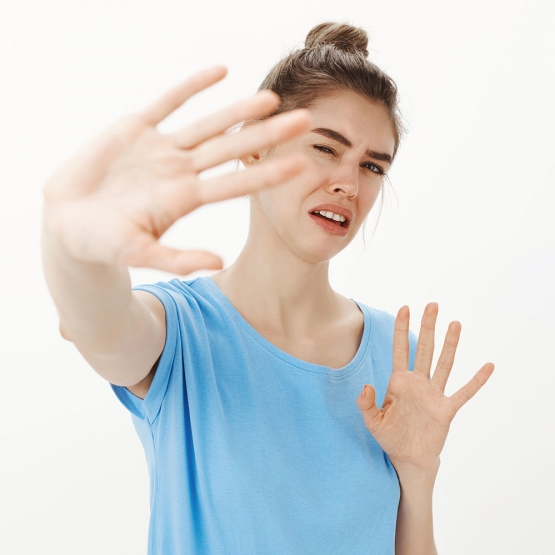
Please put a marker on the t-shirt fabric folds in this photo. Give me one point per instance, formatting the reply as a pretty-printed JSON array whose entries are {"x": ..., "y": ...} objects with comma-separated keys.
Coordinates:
[{"x": 252, "y": 451}]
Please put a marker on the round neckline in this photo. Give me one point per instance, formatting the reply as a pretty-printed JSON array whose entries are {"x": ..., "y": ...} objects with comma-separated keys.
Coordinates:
[{"x": 285, "y": 356}]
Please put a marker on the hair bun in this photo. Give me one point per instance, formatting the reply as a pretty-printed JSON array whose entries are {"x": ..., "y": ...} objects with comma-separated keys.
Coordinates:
[{"x": 341, "y": 35}]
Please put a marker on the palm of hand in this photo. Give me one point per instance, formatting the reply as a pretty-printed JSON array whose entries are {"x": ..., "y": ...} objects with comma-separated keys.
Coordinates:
[
  {"x": 129, "y": 199},
  {"x": 414, "y": 420},
  {"x": 115, "y": 198}
]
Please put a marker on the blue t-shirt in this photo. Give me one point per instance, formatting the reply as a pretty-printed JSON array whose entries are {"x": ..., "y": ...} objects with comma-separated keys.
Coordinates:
[{"x": 252, "y": 451}]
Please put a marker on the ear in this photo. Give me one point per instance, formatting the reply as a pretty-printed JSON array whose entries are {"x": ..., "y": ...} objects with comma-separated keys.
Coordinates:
[
  {"x": 254, "y": 158},
  {"x": 251, "y": 159}
]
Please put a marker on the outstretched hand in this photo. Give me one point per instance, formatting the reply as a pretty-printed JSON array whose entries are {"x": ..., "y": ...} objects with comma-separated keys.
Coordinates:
[
  {"x": 116, "y": 197},
  {"x": 414, "y": 420}
]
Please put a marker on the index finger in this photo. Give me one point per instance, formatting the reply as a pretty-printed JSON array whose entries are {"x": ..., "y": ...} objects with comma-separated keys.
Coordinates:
[
  {"x": 401, "y": 340},
  {"x": 260, "y": 104},
  {"x": 175, "y": 97}
]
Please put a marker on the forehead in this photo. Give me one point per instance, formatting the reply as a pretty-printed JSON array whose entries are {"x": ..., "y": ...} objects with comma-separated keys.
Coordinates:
[{"x": 363, "y": 122}]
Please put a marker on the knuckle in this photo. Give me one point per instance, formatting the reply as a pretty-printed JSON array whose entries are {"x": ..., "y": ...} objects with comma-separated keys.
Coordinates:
[
  {"x": 466, "y": 393},
  {"x": 425, "y": 350},
  {"x": 444, "y": 365}
]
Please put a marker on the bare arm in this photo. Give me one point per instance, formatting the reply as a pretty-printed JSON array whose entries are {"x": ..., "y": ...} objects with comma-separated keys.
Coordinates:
[
  {"x": 414, "y": 420},
  {"x": 415, "y": 532},
  {"x": 119, "y": 332},
  {"x": 108, "y": 206}
]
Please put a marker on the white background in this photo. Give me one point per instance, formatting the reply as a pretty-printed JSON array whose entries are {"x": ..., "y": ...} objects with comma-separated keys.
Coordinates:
[{"x": 469, "y": 223}]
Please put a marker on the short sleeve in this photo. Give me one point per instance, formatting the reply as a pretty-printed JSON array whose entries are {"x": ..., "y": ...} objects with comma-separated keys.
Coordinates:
[{"x": 149, "y": 407}]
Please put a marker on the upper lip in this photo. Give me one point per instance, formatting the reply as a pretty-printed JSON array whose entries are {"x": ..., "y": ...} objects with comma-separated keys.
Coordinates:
[{"x": 336, "y": 209}]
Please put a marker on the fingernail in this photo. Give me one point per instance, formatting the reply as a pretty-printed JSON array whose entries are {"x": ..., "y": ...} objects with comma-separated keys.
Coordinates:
[{"x": 364, "y": 390}]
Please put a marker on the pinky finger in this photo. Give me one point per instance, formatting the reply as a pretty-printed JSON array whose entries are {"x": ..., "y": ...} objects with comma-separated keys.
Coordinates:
[{"x": 465, "y": 393}]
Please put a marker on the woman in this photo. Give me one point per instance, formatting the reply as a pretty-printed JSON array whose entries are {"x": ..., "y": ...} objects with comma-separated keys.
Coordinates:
[{"x": 245, "y": 387}]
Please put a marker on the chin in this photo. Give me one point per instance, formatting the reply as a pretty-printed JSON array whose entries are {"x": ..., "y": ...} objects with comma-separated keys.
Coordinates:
[
  {"x": 313, "y": 245},
  {"x": 319, "y": 252}
]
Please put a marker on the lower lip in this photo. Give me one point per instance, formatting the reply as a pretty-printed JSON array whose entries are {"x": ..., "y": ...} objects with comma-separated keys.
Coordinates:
[{"x": 330, "y": 226}]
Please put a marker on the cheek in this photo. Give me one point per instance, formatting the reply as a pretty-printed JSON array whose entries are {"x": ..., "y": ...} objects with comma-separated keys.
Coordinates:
[
  {"x": 369, "y": 197},
  {"x": 366, "y": 202},
  {"x": 277, "y": 202}
]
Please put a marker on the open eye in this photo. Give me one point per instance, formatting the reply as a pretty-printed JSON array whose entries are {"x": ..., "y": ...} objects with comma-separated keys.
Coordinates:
[{"x": 374, "y": 168}]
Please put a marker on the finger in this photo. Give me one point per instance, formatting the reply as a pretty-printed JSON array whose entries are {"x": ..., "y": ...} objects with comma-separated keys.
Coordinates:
[
  {"x": 465, "y": 393},
  {"x": 447, "y": 356},
  {"x": 401, "y": 340},
  {"x": 254, "y": 139},
  {"x": 366, "y": 402},
  {"x": 425, "y": 346},
  {"x": 176, "y": 96},
  {"x": 259, "y": 105},
  {"x": 151, "y": 254},
  {"x": 266, "y": 174}
]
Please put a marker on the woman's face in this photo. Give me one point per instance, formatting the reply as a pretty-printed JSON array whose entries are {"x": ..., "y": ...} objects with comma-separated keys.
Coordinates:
[{"x": 349, "y": 149}]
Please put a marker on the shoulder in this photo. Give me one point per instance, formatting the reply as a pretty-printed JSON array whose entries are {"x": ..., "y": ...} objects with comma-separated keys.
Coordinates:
[
  {"x": 177, "y": 294},
  {"x": 193, "y": 308},
  {"x": 182, "y": 309},
  {"x": 382, "y": 331},
  {"x": 381, "y": 321}
]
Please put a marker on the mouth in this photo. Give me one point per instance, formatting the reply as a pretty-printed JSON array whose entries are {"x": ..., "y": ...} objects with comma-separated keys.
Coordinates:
[
  {"x": 332, "y": 218},
  {"x": 337, "y": 219}
]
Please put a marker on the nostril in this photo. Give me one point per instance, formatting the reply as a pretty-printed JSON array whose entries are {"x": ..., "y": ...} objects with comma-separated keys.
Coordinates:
[{"x": 353, "y": 190}]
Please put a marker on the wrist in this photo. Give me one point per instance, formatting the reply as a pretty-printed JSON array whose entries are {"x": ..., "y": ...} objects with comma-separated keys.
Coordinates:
[
  {"x": 56, "y": 232},
  {"x": 414, "y": 532},
  {"x": 411, "y": 473}
]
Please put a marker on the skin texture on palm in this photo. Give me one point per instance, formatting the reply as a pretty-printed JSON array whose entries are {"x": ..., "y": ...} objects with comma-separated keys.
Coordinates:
[
  {"x": 107, "y": 207},
  {"x": 137, "y": 182},
  {"x": 414, "y": 420}
]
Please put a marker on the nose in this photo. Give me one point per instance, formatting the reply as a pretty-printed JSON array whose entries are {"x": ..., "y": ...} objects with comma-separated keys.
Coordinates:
[{"x": 344, "y": 181}]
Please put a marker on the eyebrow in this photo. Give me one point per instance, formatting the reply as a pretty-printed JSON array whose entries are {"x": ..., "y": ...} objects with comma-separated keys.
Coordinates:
[{"x": 336, "y": 136}]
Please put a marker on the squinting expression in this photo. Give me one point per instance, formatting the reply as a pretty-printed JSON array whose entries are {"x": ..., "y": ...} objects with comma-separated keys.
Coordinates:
[{"x": 350, "y": 149}]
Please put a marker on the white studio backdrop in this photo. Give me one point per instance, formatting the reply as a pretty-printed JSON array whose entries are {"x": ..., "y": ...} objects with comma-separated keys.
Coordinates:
[{"x": 468, "y": 222}]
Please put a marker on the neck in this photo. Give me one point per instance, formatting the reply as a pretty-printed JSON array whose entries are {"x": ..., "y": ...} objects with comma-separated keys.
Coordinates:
[{"x": 269, "y": 283}]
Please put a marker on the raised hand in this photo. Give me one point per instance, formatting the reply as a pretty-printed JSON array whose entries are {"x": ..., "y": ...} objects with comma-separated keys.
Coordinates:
[
  {"x": 414, "y": 420},
  {"x": 117, "y": 196}
]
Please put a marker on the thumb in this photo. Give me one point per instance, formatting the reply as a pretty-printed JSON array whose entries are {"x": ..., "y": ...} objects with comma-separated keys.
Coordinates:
[
  {"x": 155, "y": 255},
  {"x": 366, "y": 402}
]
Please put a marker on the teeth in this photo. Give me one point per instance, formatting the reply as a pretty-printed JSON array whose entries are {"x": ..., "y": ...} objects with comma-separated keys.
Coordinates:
[{"x": 331, "y": 216}]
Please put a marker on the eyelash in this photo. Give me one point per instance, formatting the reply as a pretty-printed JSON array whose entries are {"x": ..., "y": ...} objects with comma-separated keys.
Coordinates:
[{"x": 328, "y": 150}]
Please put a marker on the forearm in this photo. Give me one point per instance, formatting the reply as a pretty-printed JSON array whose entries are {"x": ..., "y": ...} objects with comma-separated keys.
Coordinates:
[
  {"x": 415, "y": 533},
  {"x": 94, "y": 301}
]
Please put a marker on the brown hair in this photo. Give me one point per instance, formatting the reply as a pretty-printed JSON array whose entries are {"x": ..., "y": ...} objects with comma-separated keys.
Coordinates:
[{"x": 334, "y": 58}]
